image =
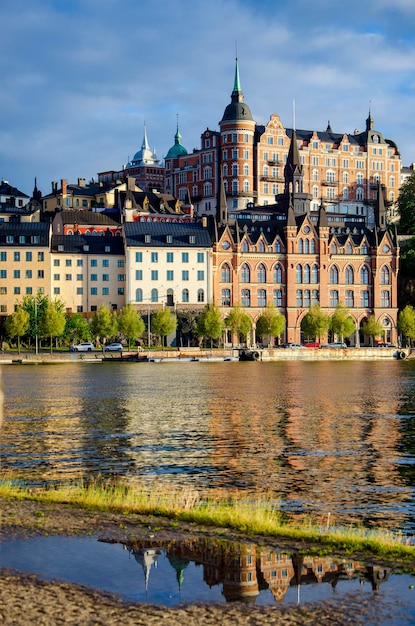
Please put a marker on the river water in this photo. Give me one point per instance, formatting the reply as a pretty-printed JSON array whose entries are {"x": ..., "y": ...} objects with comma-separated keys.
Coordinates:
[{"x": 320, "y": 437}]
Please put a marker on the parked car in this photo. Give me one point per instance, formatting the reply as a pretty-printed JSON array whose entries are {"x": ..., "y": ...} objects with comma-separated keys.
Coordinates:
[
  {"x": 312, "y": 344},
  {"x": 292, "y": 345},
  {"x": 337, "y": 344},
  {"x": 114, "y": 347},
  {"x": 385, "y": 345},
  {"x": 84, "y": 346}
]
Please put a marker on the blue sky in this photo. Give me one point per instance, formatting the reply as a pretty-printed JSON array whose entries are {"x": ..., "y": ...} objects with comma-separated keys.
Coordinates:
[{"x": 81, "y": 77}]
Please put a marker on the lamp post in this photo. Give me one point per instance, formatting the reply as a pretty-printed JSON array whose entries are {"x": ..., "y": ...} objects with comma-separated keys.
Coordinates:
[{"x": 36, "y": 337}]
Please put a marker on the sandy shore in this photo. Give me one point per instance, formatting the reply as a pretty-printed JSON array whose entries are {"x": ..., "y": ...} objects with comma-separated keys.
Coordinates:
[{"x": 26, "y": 599}]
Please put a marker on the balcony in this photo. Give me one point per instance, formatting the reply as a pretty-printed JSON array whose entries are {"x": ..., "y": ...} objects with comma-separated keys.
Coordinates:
[{"x": 273, "y": 179}]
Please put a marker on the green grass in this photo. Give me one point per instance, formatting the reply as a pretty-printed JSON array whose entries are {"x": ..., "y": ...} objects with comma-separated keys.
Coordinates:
[{"x": 252, "y": 516}]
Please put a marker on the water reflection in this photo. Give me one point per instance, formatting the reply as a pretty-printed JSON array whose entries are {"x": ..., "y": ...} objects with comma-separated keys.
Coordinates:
[{"x": 320, "y": 437}]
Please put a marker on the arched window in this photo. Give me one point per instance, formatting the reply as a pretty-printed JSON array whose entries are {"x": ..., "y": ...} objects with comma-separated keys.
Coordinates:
[
  {"x": 315, "y": 191},
  {"x": 333, "y": 248},
  {"x": 349, "y": 298},
  {"x": 298, "y": 274},
  {"x": 226, "y": 273},
  {"x": 359, "y": 194},
  {"x": 345, "y": 177},
  {"x": 200, "y": 295},
  {"x": 246, "y": 297},
  {"x": 262, "y": 297},
  {"x": 364, "y": 299},
  {"x": 154, "y": 295},
  {"x": 349, "y": 248},
  {"x": 345, "y": 193},
  {"x": 330, "y": 176},
  {"x": 234, "y": 169},
  {"x": 225, "y": 170},
  {"x": 246, "y": 185},
  {"x": 244, "y": 246},
  {"x": 384, "y": 275},
  {"x": 226, "y": 297},
  {"x": 312, "y": 246},
  {"x": 364, "y": 275},
  {"x": 314, "y": 273},
  {"x": 349, "y": 275},
  {"x": 299, "y": 297},
  {"x": 261, "y": 246},
  {"x": 315, "y": 175},
  {"x": 334, "y": 297},
  {"x": 207, "y": 189},
  {"x": 300, "y": 246},
  {"x": 246, "y": 169},
  {"x": 245, "y": 273},
  {"x": 261, "y": 273},
  {"x": 364, "y": 248},
  {"x": 314, "y": 296},
  {"x": 138, "y": 295},
  {"x": 306, "y": 246},
  {"x": 306, "y": 273},
  {"x": 185, "y": 295},
  {"x": 306, "y": 301},
  {"x": 278, "y": 297},
  {"x": 334, "y": 275},
  {"x": 277, "y": 246},
  {"x": 277, "y": 273}
]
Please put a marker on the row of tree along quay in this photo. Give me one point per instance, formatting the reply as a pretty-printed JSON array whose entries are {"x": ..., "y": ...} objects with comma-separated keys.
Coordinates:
[{"x": 39, "y": 318}]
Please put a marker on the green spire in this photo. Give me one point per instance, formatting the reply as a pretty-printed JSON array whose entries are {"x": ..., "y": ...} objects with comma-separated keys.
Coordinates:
[{"x": 237, "y": 82}]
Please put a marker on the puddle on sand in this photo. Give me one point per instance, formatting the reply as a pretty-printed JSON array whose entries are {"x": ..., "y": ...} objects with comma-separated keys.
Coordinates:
[{"x": 206, "y": 570}]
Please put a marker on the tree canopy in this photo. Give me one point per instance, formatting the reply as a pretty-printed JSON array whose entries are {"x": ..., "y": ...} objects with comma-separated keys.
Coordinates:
[
  {"x": 210, "y": 324},
  {"x": 341, "y": 322},
  {"x": 130, "y": 324},
  {"x": 270, "y": 323},
  {"x": 406, "y": 205},
  {"x": 406, "y": 324},
  {"x": 372, "y": 328},
  {"x": 315, "y": 322},
  {"x": 239, "y": 322},
  {"x": 104, "y": 324},
  {"x": 17, "y": 324},
  {"x": 163, "y": 323}
]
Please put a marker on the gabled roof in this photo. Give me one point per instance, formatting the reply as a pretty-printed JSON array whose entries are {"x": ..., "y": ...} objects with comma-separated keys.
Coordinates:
[
  {"x": 87, "y": 218},
  {"x": 87, "y": 244},
  {"x": 189, "y": 235},
  {"x": 8, "y": 190}
]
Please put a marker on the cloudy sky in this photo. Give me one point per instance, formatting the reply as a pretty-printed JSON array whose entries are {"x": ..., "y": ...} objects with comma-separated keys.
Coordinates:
[{"x": 81, "y": 77}]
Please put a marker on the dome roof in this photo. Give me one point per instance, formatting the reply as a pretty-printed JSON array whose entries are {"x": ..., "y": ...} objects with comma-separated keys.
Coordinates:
[
  {"x": 237, "y": 109},
  {"x": 178, "y": 149},
  {"x": 144, "y": 156}
]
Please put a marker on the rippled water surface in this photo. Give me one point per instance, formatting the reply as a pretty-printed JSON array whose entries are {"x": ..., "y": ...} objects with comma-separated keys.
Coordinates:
[{"x": 322, "y": 437}]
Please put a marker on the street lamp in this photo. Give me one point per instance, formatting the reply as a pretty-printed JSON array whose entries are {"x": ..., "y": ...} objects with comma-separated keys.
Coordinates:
[{"x": 36, "y": 337}]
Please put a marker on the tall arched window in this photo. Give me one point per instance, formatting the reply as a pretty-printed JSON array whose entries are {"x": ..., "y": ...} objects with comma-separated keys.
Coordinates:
[
  {"x": 277, "y": 246},
  {"x": 246, "y": 297},
  {"x": 244, "y": 246},
  {"x": 364, "y": 275},
  {"x": 138, "y": 295},
  {"x": 384, "y": 275},
  {"x": 154, "y": 295},
  {"x": 359, "y": 194},
  {"x": 306, "y": 273},
  {"x": 364, "y": 248},
  {"x": 261, "y": 273},
  {"x": 349, "y": 275},
  {"x": 385, "y": 298},
  {"x": 314, "y": 296},
  {"x": 300, "y": 246},
  {"x": 226, "y": 297},
  {"x": 262, "y": 297},
  {"x": 277, "y": 273},
  {"x": 334, "y": 297},
  {"x": 226, "y": 273},
  {"x": 333, "y": 248},
  {"x": 312, "y": 246},
  {"x": 349, "y": 248},
  {"x": 298, "y": 274},
  {"x": 314, "y": 273},
  {"x": 334, "y": 275},
  {"x": 306, "y": 300},
  {"x": 245, "y": 273},
  {"x": 200, "y": 295},
  {"x": 261, "y": 246},
  {"x": 185, "y": 295},
  {"x": 349, "y": 299},
  {"x": 299, "y": 297},
  {"x": 364, "y": 299},
  {"x": 306, "y": 246},
  {"x": 278, "y": 297}
]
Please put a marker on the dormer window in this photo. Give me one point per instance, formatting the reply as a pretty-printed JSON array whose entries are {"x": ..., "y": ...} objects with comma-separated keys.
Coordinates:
[
  {"x": 86, "y": 248},
  {"x": 169, "y": 239},
  {"x": 147, "y": 238},
  {"x": 61, "y": 248},
  {"x": 192, "y": 239},
  {"x": 107, "y": 249}
]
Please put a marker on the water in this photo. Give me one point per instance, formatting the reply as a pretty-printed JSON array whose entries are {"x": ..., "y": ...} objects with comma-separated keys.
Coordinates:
[
  {"x": 320, "y": 437},
  {"x": 206, "y": 570}
]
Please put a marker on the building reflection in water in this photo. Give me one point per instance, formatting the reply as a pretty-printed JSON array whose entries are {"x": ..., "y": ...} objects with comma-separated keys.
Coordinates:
[{"x": 245, "y": 570}]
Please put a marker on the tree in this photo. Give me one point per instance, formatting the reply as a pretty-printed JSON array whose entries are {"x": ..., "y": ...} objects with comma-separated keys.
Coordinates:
[
  {"x": 406, "y": 205},
  {"x": 341, "y": 323},
  {"x": 77, "y": 328},
  {"x": 130, "y": 323},
  {"x": 372, "y": 328},
  {"x": 270, "y": 323},
  {"x": 315, "y": 322},
  {"x": 239, "y": 322},
  {"x": 17, "y": 324},
  {"x": 210, "y": 324},
  {"x": 163, "y": 323},
  {"x": 406, "y": 324},
  {"x": 52, "y": 321},
  {"x": 104, "y": 324}
]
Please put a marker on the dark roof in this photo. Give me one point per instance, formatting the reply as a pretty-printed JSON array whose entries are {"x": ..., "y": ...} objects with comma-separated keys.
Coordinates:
[
  {"x": 7, "y": 190},
  {"x": 181, "y": 234},
  {"x": 24, "y": 233},
  {"x": 96, "y": 245},
  {"x": 88, "y": 218}
]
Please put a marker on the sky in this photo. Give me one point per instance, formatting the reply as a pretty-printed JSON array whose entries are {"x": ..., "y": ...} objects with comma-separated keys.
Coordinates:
[{"x": 80, "y": 78}]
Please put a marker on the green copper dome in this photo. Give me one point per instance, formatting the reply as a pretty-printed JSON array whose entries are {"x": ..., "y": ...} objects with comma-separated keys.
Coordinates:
[{"x": 178, "y": 149}]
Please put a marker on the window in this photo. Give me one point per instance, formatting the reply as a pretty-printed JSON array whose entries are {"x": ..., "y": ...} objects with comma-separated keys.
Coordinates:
[
  {"x": 56, "y": 277},
  {"x": 105, "y": 277},
  {"x": 364, "y": 299},
  {"x": 299, "y": 297},
  {"x": 246, "y": 297},
  {"x": 154, "y": 257},
  {"x": 3, "y": 256},
  {"x": 200, "y": 295},
  {"x": 16, "y": 274},
  {"x": 56, "y": 291},
  {"x": 261, "y": 274},
  {"x": 314, "y": 273},
  {"x": 349, "y": 275},
  {"x": 79, "y": 291},
  {"x": 245, "y": 246},
  {"x": 29, "y": 291},
  {"x": 245, "y": 273},
  {"x": 334, "y": 298},
  {"x": 314, "y": 296},
  {"x": 16, "y": 291},
  {"x": 154, "y": 275},
  {"x": 200, "y": 275},
  {"x": 385, "y": 298},
  {"x": 3, "y": 291},
  {"x": 68, "y": 276},
  {"x": 262, "y": 297},
  {"x": 80, "y": 262},
  {"x": 385, "y": 275},
  {"x": 226, "y": 273},
  {"x": 29, "y": 256},
  {"x": 169, "y": 257},
  {"x": 94, "y": 277},
  {"x": 169, "y": 275},
  {"x": 105, "y": 263},
  {"x": 364, "y": 275},
  {"x": 185, "y": 257},
  {"x": 120, "y": 263},
  {"x": 28, "y": 274},
  {"x": 334, "y": 275},
  {"x": 200, "y": 257},
  {"x": 105, "y": 291},
  {"x": 278, "y": 297},
  {"x": 139, "y": 295},
  {"x": 16, "y": 256},
  {"x": 277, "y": 274},
  {"x": 185, "y": 295},
  {"x": 120, "y": 277},
  {"x": 277, "y": 246},
  {"x": 306, "y": 300},
  {"x": 185, "y": 275},
  {"x": 138, "y": 257},
  {"x": 306, "y": 274},
  {"x": 94, "y": 263},
  {"x": 68, "y": 262},
  {"x": 40, "y": 274},
  {"x": 298, "y": 274},
  {"x": 300, "y": 246},
  {"x": 226, "y": 297},
  {"x": 349, "y": 300}
]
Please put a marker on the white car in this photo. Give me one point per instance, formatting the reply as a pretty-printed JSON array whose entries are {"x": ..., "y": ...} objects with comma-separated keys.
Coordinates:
[
  {"x": 84, "y": 346},
  {"x": 114, "y": 347}
]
